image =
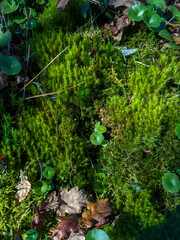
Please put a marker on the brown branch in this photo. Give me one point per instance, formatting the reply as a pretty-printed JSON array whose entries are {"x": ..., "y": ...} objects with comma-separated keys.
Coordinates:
[
  {"x": 47, "y": 94},
  {"x": 44, "y": 68}
]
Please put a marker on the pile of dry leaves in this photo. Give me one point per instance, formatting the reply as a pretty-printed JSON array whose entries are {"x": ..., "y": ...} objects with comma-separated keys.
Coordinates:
[{"x": 69, "y": 205}]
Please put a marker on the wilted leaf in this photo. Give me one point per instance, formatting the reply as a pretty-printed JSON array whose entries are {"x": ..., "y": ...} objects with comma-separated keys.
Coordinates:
[
  {"x": 65, "y": 228},
  {"x": 73, "y": 201},
  {"x": 62, "y": 4},
  {"x": 96, "y": 214},
  {"x": 24, "y": 187},
  {"x": 41, "y": 211}
]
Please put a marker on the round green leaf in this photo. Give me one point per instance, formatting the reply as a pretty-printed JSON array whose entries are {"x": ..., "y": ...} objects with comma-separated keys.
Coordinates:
[
  {"x": 97, "y": 234},
  {"x": 165, "y": 34},
  {"x": 49, "y": 172},
  {"x": 170, "y": 182},
  {"x": 10, "y": 65},
  {"x": 32, "y": 24},
  {"x": 9, "y": 6},
  {"x": 100, "y": 129},
  {"x": 135, "y": 13},
  {"x": 4, "y": 38},
  {"x": 32, "y": 234},
  {"x": 40, "y": 187},
  {"x": 151, "y": 18},
  {"x": 96, "y": 138},
  {"x": 178, "y": 130},
  {"x": 175, "y": 11}
]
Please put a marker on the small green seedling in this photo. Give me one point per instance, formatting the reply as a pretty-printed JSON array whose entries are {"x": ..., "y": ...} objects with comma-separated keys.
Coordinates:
[
  {"x": 40, "y": 187},
  {"x": 177, "y": 130},
  {"x": 97, "y": 137},
  {"x": 171, "y": 182},
  {"x": 97, "y": 234},
  {"x": 49, "y": 172},
  {"x": 32, "y": 234}
]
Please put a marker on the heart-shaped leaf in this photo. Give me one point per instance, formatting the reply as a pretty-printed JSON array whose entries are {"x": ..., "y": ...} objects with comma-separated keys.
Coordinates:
[
  {"x": 151, "y": 18},
  {"x": 136, "y": 12},
  {"x": 97, "y": 234},
  {"x": 10, "y": 65}
]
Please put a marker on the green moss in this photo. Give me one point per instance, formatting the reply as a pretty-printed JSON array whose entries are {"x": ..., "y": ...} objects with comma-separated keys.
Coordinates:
[{"x": 138, "y": 104}]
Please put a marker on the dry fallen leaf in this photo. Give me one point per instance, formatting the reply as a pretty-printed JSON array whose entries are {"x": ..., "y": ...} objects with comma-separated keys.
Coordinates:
[
  {"x": 65, "y": 228},
  {"x": 24, "y": 187},
  {"x": 96, "y": 213},
  {"x": 41, "y": 211},
  {"x": 118, "y": 3},
  {"x": 62, "y": 4},
  {"x": 73, "y": 201},
  {"x": 77, "y": 236}
]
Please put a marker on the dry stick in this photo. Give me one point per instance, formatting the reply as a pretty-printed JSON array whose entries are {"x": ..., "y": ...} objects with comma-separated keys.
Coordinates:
[
  {"x": 47, "y": 94},
  {"x": 43, "y": 70}
]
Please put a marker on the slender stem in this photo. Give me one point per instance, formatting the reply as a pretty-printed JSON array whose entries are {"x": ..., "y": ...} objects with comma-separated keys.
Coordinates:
[{"x": 40, "y": 169}]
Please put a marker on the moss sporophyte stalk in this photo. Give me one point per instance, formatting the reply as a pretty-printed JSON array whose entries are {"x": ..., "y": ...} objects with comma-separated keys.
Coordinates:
[{"x": 134, "y": 107}]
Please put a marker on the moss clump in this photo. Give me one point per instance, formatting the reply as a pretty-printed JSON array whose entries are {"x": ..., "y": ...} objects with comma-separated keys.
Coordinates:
[{"x": 139, "y": 105}]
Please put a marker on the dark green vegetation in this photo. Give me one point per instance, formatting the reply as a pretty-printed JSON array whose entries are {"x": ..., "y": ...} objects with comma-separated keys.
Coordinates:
[{"x": 138, "y": 104}]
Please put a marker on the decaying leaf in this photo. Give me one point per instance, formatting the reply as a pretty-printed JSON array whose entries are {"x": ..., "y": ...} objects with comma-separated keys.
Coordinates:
[
  {"x": 117, "y": 26},
  {"x": 73, "y": 201},
  {"x": 62, "y": 4},
  {"x": 119, "y": 3},
  {"x": 24, "y": 187},
  {"x": 65, "y": 228},
  {"x": 77, "y": 236},
  {"x": 41, "y": 211},
  {"x": 96, "y": 214}
]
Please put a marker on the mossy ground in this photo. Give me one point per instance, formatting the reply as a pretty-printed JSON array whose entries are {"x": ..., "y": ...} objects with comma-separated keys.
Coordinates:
[{"x": 139, "y": 105}]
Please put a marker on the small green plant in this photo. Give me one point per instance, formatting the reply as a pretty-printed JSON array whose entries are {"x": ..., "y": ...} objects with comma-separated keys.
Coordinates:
[
  {"x": 41, "y": 186},
  {"x": 32, "y": 234},
  {"x": 171, "y": 182},
  {"x": 97, "y": 234},
  {"x": 97, "y": 137},
  {"x": 153, "y": 16},
  {"x": 178, "y": 130}
]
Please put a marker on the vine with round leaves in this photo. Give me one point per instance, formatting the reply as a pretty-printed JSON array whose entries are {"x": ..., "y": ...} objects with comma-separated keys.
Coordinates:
[{"x": 153, "y": 16}]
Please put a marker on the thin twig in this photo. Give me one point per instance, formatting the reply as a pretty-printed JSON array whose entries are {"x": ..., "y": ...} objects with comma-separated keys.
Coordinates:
[
  {"x": 52, "y": 93},
  {"x": 44, "y": 69},
  {"x": 40, "y": 169}
]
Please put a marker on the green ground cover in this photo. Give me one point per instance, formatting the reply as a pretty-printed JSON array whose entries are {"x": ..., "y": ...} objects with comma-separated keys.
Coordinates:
[{"x": 139, "y": 105}]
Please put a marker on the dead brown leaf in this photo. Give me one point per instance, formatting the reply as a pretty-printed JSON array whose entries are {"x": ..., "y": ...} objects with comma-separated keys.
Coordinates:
[
  {"x": 119, "y": 3},
  {"x": 77, "y": 236},
  {"x": 96, "y": 214},
  {"x": 41, "y": 211},
  {"x": 24, "y": 188},
  {"x": 73, "y": 201},
  {"x": 62, "y": 4},
  {"x": 65, "y": 228}
]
